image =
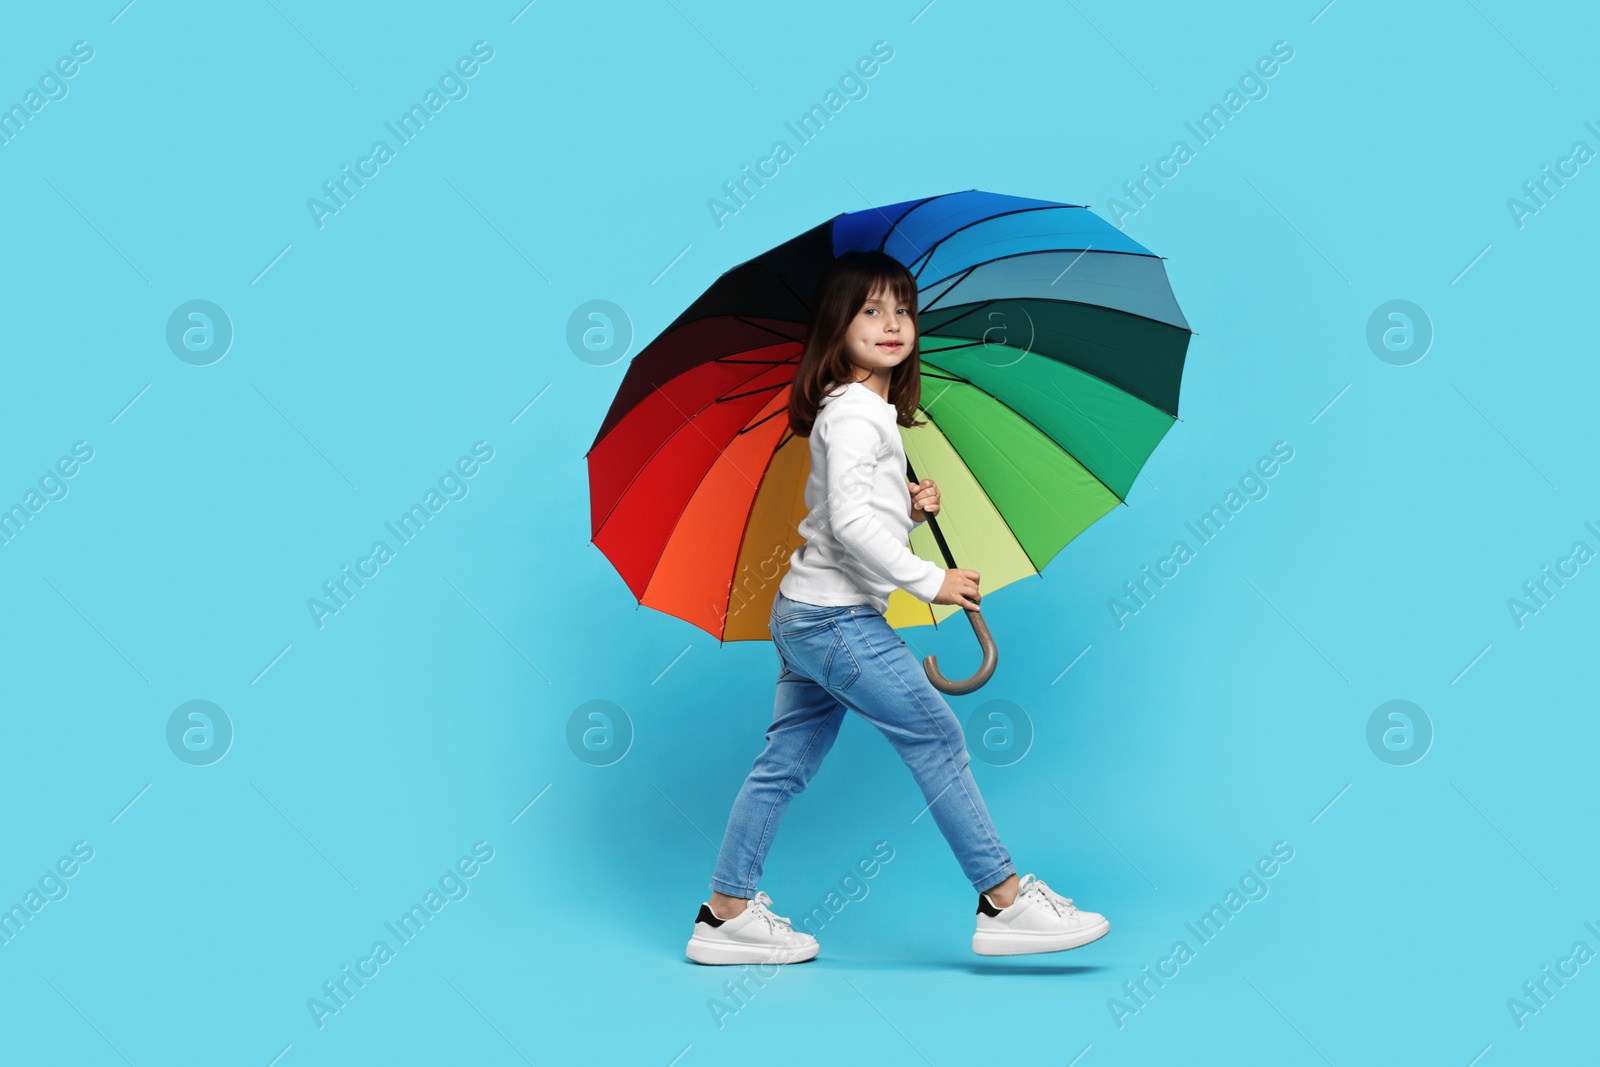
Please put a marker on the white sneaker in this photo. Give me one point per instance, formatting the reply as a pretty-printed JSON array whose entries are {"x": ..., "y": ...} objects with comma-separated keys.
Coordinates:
[
  {"x": 755, "y": 935},
  {"x": 1039, "y": 920}
]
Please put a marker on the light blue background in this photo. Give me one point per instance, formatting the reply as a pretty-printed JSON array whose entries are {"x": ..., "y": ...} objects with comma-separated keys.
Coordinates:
[{"x": 431, "y": 311}]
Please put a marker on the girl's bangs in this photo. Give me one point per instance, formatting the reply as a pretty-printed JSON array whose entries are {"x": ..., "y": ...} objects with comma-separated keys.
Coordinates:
[{"x": 899, "y": 283}]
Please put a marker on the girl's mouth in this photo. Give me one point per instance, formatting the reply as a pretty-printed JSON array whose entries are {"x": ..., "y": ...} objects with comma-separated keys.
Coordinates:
[{"x": 891, "y": 345}]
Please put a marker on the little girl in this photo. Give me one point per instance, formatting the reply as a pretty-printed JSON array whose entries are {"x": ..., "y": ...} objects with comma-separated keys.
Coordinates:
[{"x": 858, "y": 377}]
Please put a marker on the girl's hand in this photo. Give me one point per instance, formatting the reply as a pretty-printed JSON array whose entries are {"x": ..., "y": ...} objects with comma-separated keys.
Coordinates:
[
  {"x": 960, "y": 588},
  {"x": 924, "y": 499}
]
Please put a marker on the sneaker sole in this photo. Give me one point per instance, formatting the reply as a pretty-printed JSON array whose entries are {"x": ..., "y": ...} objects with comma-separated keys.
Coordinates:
[
  {"x": 723, "y": 953},
  {"x": 1018, "y": 944}
]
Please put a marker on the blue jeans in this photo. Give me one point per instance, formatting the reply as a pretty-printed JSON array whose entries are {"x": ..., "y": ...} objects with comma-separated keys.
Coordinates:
[{"x": 835, "y": 658}]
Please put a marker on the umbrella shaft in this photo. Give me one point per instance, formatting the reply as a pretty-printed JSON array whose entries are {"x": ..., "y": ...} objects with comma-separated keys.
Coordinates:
[{"x": 933, "y": 524}]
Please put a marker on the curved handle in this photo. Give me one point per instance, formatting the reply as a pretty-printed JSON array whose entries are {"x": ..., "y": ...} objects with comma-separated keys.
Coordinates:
[{"x": 991, "y": 656}]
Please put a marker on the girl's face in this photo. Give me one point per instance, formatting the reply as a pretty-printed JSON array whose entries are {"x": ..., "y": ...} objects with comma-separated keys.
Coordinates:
[{"x": 880, "y": 335}]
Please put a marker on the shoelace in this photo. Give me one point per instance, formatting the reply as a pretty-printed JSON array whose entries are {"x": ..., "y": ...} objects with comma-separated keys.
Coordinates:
[
  {"x": 1034, "y": 886},
  {"x": 759, "y": 905}
]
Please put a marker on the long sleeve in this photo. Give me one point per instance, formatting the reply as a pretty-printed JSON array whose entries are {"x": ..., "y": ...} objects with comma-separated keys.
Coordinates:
[{"x": 855, "y": 449}]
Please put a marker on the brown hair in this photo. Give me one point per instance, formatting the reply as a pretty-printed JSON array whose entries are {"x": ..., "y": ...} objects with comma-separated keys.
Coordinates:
[{"x": 841, "y": 291}]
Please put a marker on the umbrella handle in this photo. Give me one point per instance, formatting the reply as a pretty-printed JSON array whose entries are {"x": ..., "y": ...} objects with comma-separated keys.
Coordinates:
[{"x": 991, "y": 656}]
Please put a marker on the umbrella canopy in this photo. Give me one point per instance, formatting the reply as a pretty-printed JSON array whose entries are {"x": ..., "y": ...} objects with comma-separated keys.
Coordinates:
[{"x": 1052, "y": 352}]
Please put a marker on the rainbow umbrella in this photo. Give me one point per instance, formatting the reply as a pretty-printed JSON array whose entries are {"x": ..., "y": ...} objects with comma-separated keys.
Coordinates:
[{"x": 1052, "y": 352}]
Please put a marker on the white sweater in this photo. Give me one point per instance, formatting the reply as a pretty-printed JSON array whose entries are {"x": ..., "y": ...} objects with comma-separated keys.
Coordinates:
[{"x": 858, "y": 525}]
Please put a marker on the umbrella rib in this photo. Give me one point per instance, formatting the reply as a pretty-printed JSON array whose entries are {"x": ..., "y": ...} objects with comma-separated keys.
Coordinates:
[
  {"x": 968, "y": 343},
  {"x": 928, "y": 255},
  {"x": 768, "y": 329},
  {"x": 764, "y": 418},
  {"x": 754, "y": 362},
  {"x": 951, "y": 287},
  {"x": 964, "y": 343},
  {"x": 906, "y": 214},
  {"x": 688, "y": 421},
  {"x": 724, "y": 398},
  {"x": 1071, "y": 366},
  {"x": 735, "y": 318},
  {"x": 799, "y": 297},
  {"x": 895, "y": 225},
  {"x": 981, "y": 304},
  {"x": 1052, "y": 251},
  {"x": 672, "y": 330},
  {"x": 973, "y": 310}
]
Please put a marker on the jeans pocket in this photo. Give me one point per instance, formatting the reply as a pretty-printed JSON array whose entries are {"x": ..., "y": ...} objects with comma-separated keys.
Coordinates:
[
  {"x": 800, "y": 622},
  {"x": 794, "y": 610},
  {"x": 840, "y": 668}
]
